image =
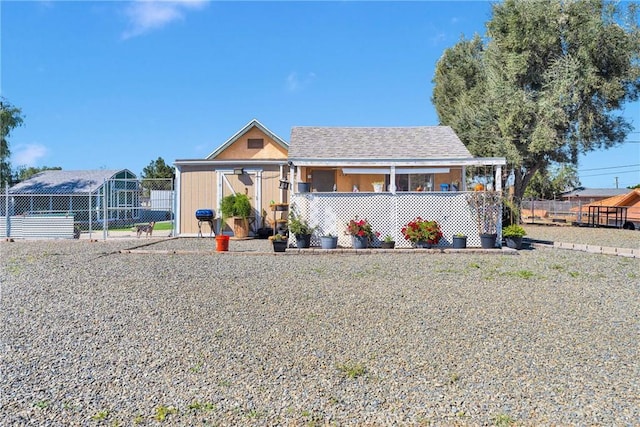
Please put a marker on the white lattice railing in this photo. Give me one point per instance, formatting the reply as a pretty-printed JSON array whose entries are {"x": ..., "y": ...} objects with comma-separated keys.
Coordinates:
[{"x": 388, "y": 213}]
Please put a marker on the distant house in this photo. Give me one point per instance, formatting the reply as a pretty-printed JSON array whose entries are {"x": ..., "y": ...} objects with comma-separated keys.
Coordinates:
[
  {"x": 589, "y": 195},
  {"x": 252, "y": 161},
  {"x": 106, "y": 194}
]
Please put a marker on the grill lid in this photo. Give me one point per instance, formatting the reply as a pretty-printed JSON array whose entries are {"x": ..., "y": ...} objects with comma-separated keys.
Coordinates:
[{"x": 205, "y": 214}]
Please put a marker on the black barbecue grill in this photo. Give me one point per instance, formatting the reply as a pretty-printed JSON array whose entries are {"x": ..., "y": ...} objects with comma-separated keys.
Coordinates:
[{"x": 205, "y": 215}]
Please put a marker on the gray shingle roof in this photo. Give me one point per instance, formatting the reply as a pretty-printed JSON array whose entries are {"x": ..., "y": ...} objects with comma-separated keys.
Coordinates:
[
  {"x": 426, "y": 142},
  {"x": 64, "y": 182},
  {"x": 595, "y": 192}
]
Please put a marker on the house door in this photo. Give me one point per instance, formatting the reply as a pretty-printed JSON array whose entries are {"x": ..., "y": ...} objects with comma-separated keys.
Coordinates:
[
  {"x": 247, "y": 183},
  {"x": 323, "y": 180}
]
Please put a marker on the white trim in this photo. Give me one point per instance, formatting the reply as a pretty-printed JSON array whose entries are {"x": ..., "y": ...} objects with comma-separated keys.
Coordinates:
[
  {"x": 258, "y": 198},
  {"x": 387, "y": 171},
  {"x": 178, "y": 198},
  {"x": 228, "y": 163},
  {"x": 356, "y": 171},
  {"x": 479, "y": 161}
]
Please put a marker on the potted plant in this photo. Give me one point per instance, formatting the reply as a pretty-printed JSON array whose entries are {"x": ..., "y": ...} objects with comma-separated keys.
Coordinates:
[
  {"x": 300, "y": 228},
  {"x": 487, "y": 209},
  {"x": 238, "y": 207},
  {"x": 459, "y": 241},
  {"x": 513, "y": 236},
  {"x": 388, "y": 242},
  {"x": 279, "y": 243},
  {"x": 361, "y": 233},
  {"x": 328, "y": 241},
  {"x": 422, "y": 233}
]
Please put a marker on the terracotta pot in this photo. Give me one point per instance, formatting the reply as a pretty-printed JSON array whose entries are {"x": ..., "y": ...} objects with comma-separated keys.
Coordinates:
[{"x": 222, "y": 243}]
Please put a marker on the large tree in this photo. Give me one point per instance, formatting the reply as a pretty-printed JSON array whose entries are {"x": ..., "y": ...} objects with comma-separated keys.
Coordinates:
[
  {"x": 10, "y": 118},
  {"x": 158, "y": 175},
  {"x": 549, "y": 183},
  {"x": 548, "y": 82}
]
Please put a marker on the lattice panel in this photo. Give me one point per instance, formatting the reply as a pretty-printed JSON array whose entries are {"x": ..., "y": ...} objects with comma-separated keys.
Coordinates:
[{"x": 388, "y": 213}]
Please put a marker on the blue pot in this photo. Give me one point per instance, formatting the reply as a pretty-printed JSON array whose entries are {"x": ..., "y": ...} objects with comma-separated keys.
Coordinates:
[{"x": 359, "y": 242}]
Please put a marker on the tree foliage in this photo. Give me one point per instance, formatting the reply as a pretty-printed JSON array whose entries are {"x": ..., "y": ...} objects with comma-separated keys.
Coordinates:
[
  {"x": 24, "y": 172},
  {"x": 547, "y": 83},
  {"x": 158, "y": 175},
  {"x": 10, "y": 118},
  {"x": 547, "y": 184}
]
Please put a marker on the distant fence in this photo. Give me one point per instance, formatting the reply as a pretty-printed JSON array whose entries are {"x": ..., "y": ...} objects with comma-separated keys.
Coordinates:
[
  {"x": 560, "y": 211},
  {"x": 116, "y": 205}
]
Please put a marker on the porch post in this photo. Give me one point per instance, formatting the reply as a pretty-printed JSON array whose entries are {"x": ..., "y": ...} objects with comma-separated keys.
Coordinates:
[
  {"x": 392, "y": 180},
  {"x": 498, "y": 178},
  {"x": 463, "y": 180},
  {"x": 258, "y": 190}
]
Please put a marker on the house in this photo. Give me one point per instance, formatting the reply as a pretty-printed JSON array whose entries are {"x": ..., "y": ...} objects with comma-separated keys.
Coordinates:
[
  {"x": 389, "y": 175},
  {"x": 252, "y": 161},
  {"x": 327, "y": 175}
]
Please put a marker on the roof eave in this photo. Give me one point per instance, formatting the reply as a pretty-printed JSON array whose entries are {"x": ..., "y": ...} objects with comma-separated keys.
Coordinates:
[
  {"x": 228, "y": 163},
  {"x": 476, "y": 161}
]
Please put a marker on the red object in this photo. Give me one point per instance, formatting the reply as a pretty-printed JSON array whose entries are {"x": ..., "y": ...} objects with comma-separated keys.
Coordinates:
[{"x": 222, "y": 243}]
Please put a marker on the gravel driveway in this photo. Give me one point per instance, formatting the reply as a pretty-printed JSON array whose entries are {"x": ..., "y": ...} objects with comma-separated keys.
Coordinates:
[{"x": 92, "y": 336}]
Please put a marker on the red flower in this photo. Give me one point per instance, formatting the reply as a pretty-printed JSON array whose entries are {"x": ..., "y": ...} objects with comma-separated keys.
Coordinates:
[{"x": 422, "y": 230}]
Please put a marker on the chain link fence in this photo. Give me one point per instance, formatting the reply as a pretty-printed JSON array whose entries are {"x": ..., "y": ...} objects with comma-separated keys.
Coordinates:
[
  {"x": 70, "y": 211},
  {"x": 579, "y": 212}
]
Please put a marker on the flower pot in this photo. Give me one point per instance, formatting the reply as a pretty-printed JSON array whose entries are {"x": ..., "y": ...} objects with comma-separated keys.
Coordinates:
[
  {"x": 304, "y": 187},
  {"x": 240, "y": 227},
  {"x": 328, "y": 242},
  {"x": 303, "y": 241},
  {"x": 279, "y": 245},
  {"x": 377, "y": 188},
  {"x": 387, "y": 245},
  {"x": 222, "y": 243},
  {"x": 459, "y": 242},
  {"x": 359, "y": 242},
  {"x": 423, "y": 244},
  {"x": 514, "y": 242},
  {"x": 488, "y": 241}
]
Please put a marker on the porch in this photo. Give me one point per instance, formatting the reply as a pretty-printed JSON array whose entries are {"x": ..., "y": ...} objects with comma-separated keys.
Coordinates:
[{"x": 388, "y": 213}]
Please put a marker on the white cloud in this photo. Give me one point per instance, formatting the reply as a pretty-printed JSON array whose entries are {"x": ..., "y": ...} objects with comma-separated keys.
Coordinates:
[
  {"x": 148, "y": 15},
  {"x": 28, "y": 154},
  {"x": 295, "y": 83}
]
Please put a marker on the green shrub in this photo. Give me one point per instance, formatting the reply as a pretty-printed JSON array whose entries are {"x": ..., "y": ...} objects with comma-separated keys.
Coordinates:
[{"x": 513, "y": 230}]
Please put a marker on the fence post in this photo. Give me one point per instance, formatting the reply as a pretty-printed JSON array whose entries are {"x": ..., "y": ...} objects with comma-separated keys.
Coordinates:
[
  {"x": 7, "y": 220},
  {"x": 90, "y": 210},
  {"x": 104, "y": 210}
]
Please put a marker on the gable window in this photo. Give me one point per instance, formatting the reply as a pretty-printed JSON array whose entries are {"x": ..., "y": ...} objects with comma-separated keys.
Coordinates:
[{"x": 255, "y": 143}]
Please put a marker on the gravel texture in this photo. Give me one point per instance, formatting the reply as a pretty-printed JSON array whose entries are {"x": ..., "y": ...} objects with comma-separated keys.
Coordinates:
[
  {"x": 610, "y": 237},
  {"x": 92, "y": 336}
]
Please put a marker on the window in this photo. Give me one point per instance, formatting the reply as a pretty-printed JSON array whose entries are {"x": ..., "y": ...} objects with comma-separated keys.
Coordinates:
[
  {"x": 414, "y": 182},
  {"x": 255, "y": 143}
]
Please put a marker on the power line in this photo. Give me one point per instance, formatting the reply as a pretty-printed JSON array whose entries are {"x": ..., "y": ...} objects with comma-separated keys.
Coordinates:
[
  {"x": 611, "y": 167},
  {"x": 609, "y": 173}
]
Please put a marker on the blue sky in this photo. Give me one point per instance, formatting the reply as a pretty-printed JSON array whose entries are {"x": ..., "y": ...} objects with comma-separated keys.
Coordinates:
[{"x": 116, "y": 84}]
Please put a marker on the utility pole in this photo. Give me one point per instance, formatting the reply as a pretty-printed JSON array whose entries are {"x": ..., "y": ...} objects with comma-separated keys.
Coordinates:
[{"x": 616, "y": 182}]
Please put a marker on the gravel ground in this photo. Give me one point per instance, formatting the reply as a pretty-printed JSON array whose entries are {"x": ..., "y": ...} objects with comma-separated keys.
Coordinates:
[
  {"x": 92, "y": 336},
  {"x": 611, "y": 237}
]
